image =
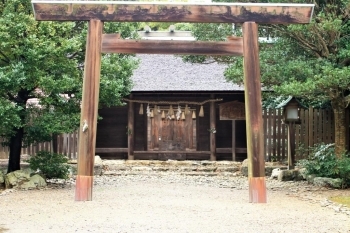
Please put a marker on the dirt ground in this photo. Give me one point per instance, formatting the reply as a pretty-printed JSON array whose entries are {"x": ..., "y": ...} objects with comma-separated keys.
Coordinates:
[{"x": 168, "y": 205}]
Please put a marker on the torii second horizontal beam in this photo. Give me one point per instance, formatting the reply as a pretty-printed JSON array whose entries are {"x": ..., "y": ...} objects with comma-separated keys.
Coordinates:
[
  {"x": 128, "y": 11},
  {"x": 112, "y": 44}
]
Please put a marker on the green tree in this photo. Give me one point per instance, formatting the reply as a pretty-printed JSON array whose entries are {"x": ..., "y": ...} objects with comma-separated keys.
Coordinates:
[
  {"x": 310, "y": 61},
  {"x": 44, "y": 61}
]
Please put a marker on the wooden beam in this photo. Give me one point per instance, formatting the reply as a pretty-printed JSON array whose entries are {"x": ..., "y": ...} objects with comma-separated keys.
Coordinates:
[
  {"x": 89, "y": 106},
  {"x": 228, "y": 150},
  {"x": 171, "y": 152},
  {"x": 112, "y": 44},
  {"x": 218, "y": 150},
  {"x": 111, "y": 150},
  {"x": 266, "y": 13},
  {"x": 166, "y": 34},
  {"x": 253, "y": 111}
]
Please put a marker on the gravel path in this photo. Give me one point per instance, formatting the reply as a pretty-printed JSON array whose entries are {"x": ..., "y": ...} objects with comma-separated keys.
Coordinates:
[{"x": 173, "y": 203}]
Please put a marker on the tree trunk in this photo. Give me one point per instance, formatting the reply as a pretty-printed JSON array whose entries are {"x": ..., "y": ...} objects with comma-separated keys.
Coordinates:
[
  {"x": 15, "y": 151},
  {"x": 339, "y": 126},
  {"x": 17, "y": 139}
]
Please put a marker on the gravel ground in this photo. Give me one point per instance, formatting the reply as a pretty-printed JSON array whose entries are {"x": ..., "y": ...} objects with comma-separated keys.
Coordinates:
[{"x": 166, "y": 202}]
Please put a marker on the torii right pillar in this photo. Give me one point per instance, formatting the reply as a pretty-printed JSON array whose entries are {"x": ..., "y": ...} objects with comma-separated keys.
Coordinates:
[{"x": 253, "y": 109}]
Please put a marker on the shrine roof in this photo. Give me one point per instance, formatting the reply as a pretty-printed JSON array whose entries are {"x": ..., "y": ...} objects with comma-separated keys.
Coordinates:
[{"x": 170, "y": 73}]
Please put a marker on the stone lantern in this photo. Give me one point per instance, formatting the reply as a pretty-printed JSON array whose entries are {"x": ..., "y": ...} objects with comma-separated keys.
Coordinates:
[{"x": 291, "y": 116}]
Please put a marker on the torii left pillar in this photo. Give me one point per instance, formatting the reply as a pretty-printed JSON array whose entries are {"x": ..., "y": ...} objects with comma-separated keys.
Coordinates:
[{"x": 89, "y": 107}]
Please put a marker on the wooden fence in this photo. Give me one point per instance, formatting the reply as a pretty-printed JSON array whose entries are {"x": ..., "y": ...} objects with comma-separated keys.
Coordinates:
[
  {"x": 67, "y": 144},
  {"x": 317, "y": 125}
]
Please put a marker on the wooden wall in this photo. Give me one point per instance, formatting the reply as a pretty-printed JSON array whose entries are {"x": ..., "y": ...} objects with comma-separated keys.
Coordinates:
[{"x": 112, "y": 131}]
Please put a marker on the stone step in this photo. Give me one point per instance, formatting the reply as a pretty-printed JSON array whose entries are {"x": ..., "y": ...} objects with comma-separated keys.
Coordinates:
[{"x": 187, "y": 167}]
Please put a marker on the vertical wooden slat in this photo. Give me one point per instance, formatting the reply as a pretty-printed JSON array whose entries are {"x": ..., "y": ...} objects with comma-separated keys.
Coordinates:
[
  {"x": 332, "y": 126},
  {"x": 307, "y": 128},
  {"x": 130, "y": 129},
  {"x": 89, "y": 107},
  {"x": 152, "y": 129},
  {"x": 347, "y": 123},
  {"x": 37, "y": 148},
  {"x": 59, "y": 144},
  {"x": 311, "y": 130},
  {"x": 158, "y": 120},
  {"x": 233, "y": 140},
  {"x": 157, "y": 128},
  {"x": 301, "y": 127},
  {"x": 278, "y": 132},
  {"x": 194, "y": 134},
  {"x": 274, "y": 132},
  {"x": 291, "y": 145},
  {"x": 297, "y": 137},
  {"x": 325, "y": 125},
  {"x": 149, "y": 136},
  {"x": 171, "y": 130},
  {"x": 271, "y": 117},
  {"x": 75, "y": 144},
  {"x": 63, "y": 145},
  {"x": 316, "y": 126},
  {"x": 253, "y": 109},
  {"x": 284, "y": 141},
  {"x": 265, "y": 117},
  {"x": 69, "y": 145},
  {"x": 190, "y": 130},
  {"x": 212, "y": 126}
]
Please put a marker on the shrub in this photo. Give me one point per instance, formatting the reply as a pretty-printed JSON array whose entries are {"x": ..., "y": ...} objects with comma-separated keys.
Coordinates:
[
  {"x": 323, "y": 162},
  {"x": 51, "y": 165}
]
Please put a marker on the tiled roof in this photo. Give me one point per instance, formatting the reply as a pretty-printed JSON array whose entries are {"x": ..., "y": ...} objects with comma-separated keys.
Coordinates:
[{"x": 170, "y": 73}]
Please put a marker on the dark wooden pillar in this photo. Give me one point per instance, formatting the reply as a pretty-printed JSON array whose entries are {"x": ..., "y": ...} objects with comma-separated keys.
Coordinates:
[
  {"x": 253, "y": 109},
  {"x": 233, "y": 140},
  {"x": 131, "y": 130},
  {"x": 212, "y": 126},
  {"x": 88, "y": 118},
  {"x": 291, "y": 145}
]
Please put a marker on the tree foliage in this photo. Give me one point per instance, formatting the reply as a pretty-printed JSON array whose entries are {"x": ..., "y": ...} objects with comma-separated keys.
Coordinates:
[
  {"x": 309, "y": 61},
  {"x": 45, "y": 61}
]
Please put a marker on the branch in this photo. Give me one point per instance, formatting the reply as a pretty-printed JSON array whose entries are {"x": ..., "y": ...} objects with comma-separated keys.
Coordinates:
[
  {"x": 299, "y": 38},
  {"x": 11, "y": 97},
  {"x": 7, "y": 59},
  {"x": 345, "y": 62},
  {"x": 70, "y": 56},
  {"x": 324, "y": 50}
]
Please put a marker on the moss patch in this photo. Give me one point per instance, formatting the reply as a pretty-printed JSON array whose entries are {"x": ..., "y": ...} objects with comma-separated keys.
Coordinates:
[{"x": 345, "y": 200}]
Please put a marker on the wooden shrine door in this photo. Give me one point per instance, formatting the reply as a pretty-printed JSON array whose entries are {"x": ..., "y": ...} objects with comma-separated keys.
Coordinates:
[{"x": 172, "y": 134}]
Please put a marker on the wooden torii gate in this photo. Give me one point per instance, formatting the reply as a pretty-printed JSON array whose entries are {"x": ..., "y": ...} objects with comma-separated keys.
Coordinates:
[{"x": 97, "y": 12}]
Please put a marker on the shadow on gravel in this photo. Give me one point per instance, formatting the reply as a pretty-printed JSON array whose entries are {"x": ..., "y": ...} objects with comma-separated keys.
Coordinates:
[{"x": 3, "y": 229}]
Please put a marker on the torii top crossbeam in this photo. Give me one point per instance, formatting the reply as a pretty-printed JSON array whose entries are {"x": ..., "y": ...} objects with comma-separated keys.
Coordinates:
[{"x": 128, "y": 11}]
